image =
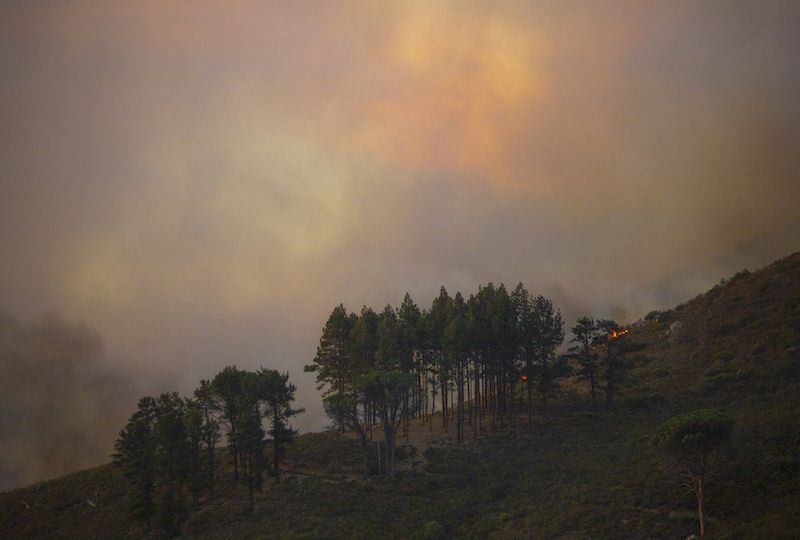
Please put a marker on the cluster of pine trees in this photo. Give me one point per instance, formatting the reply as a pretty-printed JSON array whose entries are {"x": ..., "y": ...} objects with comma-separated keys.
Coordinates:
[
  {"x": 484, "y": 358},
  {"x": 167, "y": 451}
]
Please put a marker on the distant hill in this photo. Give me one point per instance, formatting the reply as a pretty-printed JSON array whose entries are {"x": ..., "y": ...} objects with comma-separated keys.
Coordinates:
[{"x": 584, "y": 472}]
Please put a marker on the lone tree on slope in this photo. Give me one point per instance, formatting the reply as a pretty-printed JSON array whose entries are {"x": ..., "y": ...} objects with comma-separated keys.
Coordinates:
[{"x": 691, "y": 439}]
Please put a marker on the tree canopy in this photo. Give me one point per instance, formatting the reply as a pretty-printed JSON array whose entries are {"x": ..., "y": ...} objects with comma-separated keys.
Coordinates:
[{"x": 691, "y": 438}]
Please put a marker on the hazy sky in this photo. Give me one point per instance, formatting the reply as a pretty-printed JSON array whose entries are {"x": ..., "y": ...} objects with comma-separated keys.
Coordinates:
[{"x": 202, "y": 182}]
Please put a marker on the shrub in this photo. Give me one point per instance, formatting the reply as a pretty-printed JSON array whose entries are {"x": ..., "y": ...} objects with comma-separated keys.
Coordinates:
[
  {"x": 739, "y": 275},
  {"x": 721, "y": 358},
  {"x": 643, "y": 401},
  {"x": 715, "y": 380},
  {"x": 733, "y": 326},
  {"x": 434, "y": 530},
  {"x": 785, "y": 338},
  {"x": 653, "y": 315}
]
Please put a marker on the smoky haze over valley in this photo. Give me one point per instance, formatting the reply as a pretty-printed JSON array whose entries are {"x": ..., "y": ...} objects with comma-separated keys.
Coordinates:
[
  {"x": 189, "y": 188},
  {"x": 61, "y": 401}
]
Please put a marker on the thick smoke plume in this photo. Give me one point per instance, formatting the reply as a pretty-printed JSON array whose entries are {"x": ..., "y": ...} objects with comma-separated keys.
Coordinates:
[
  {"x": 62, "y": 402},
  {"x": 204, "y": 185}
]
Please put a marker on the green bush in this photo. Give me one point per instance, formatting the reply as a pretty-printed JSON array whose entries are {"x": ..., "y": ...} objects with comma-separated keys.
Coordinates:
[
  {"x": 786, "y": 338},
  {"x": 643, "y": 401},
  {"x": 736, "y": 325},
  {"x": 433, "y": 530},
  {"x": 721, "y": 358},
  {"x": 718, "y": 379}
]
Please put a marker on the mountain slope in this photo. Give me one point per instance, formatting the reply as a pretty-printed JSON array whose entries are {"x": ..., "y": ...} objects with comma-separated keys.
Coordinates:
[{"x": 584, "y": 472}]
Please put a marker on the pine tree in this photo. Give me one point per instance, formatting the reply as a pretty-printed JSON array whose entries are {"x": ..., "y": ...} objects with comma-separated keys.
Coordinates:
[
  {"x": 475, "y": 332},
  {"x": 227, "y": 389},
  {"x": 210, "y": 431},
  {"x": 135, "y": 455},
  {"x": 363, "y": 358},
  {"x": 332, "y": 361},
  {"x": 386, "y": 390},
  {"x": 389, "y": 341},
  {"x": 549, "y": 332},
  {"x": 408, "y": 320},
  {"x": 613, "y": 366},
  {"x": 345, "y": 406},
  {"x": 250, "y": 433},
  {"x": 526, "y": 341},
  {"x": 278, "y": 395},
  {"x": 440, "y": 366},
  {"x": 172, "y": 461},
  {"x": 456, "y": 347},
  {"x": 193, "y": 420},
  {"x": 692, "y": 439},
  {"x": 585, "y": 333}
]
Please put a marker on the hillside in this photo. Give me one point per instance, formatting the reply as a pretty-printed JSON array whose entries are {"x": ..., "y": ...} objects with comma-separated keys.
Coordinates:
[{"x": 583, "y": 472}]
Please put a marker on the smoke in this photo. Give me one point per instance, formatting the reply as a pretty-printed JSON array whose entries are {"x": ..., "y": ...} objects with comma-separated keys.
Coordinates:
[
  {"x": 204, "y": 185},
  {"x": 62, "y": 402}
]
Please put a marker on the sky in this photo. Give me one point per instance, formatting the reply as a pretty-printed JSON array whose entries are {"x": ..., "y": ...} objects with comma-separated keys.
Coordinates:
[{"x": 185, "y": 186}]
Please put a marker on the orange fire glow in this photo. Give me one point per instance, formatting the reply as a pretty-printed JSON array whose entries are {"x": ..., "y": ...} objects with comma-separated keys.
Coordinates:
[{"x": 618, "y": 333}]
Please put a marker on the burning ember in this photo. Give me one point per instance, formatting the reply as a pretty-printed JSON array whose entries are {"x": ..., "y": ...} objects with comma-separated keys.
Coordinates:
[
  {"x": 618, "y": 333},
  {"x": 523, "y": 377}
]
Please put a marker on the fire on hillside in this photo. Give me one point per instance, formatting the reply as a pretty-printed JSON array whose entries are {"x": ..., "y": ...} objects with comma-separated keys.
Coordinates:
[{"x": 615, "y": 334}]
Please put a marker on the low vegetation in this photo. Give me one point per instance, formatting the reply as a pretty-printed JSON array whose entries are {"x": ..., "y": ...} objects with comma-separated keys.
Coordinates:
[{"x": 525, "y": 459}]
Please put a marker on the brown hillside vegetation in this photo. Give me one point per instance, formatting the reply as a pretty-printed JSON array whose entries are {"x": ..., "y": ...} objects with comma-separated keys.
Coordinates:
[{"x": 584, "y": 472}]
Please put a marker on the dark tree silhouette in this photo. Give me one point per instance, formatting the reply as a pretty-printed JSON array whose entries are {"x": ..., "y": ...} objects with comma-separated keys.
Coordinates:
[
  {"x": 386, "y": 389},
  {"x": 548, "y": 330},
  {"x": 227, "y": 389},
  {"x": 332, "y": 364},
  {"x": 691, "y": 439},
  {"x": 585, "y": 333},
  {"x": 210, "y": 431},
  {"x": 172, "y": 461},
  {"x": 277, "y": 395},
  {"x": 135, "y": 455},
  {"x": 193, "y": 418}
]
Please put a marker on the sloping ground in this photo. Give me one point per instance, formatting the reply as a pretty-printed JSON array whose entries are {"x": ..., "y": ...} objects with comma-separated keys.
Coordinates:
[
  {"x": 62, "y": 508},
  {"x": 743, "y": 333},
  {"x": 583, "y": 473}
]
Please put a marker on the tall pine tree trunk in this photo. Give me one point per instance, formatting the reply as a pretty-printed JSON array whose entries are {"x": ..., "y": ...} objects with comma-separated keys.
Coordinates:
[
  {"x": 529, "y": 388},
  {"x": 235, "y": 454},
  {"x": 697, "y": 487},
  {"x": 444, "y": 401},
  {"x": 460, "y": 405},
  {"x": 468, "y": 417},
  {"x": 476, "y": 406},
  {"x": 276, "y": 459},
  {"x": 433, "y": 406}
]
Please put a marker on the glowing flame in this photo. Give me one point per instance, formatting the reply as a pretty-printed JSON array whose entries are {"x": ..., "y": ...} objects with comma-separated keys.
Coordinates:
[
  {"x": 617, "y": 334},
  {"x": 523, "y": 377}
]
